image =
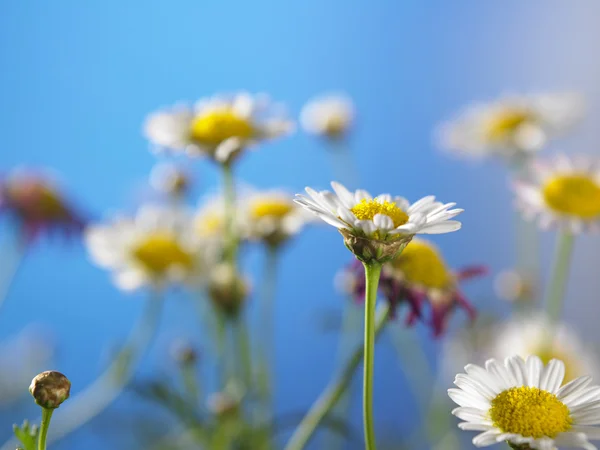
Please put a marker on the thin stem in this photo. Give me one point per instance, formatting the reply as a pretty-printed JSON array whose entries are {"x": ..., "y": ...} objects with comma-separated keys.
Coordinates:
[
  {"x": 372, "y": 273},
  {"x": 190, "y": 381},
  {"x": 334, "y": 391},
  {"x": 106, "y": 388},
  {"x": 229, "y": 198},
  {"x": 243, "y": 348},
  {"x": 266, "y": 325},
  {"x": 44, "y": 426},
  {"x": 559, "y": 275}
]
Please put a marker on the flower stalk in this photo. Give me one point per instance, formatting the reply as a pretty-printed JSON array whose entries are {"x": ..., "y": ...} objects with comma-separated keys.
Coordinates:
[
  {"x": 334, "y": 392},
  {"x": 558, "y": 280},
  {"x": 44, "y": 426}
]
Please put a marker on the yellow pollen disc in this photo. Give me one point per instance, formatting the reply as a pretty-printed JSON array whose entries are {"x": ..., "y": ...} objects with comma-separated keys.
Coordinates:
[
  {"x": 505, "y": 122},
  {"x": 210, "y": 224},
  {"x": 530, "y": 412},
  {"x": 367, "y": 209},
  {"x": 216, "y": 126},
  {"x": 576, "y": 195},
  {"x": 277, "y": 208},
  {"x": 421, "y": 263},
  {"x": 335, "y": 125},
  {"x": 160, "y": 252}
]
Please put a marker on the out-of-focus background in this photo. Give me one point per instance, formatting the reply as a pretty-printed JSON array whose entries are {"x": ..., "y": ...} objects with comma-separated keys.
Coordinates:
[{"x": 78, "y": 78}]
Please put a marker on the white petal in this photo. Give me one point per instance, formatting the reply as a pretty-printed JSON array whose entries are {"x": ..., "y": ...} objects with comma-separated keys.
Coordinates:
[
  {"x": 465, "y": 398},
  {"x": 383, "y": 222},
  {"x": 487, "y": 438},
  {"x": 420, "y": 204},
  {"x": 443, "y": 227},
  {"x": 361, "y": 194},
  {"x": 470, "y": 414},
  {"x": 573, "y": 387},
  {"x": 516, "y": 366},
  {"x": 553, "y": 376},
  {"x": 534, "y": 370},
  {"x": 344, "y": 194}
]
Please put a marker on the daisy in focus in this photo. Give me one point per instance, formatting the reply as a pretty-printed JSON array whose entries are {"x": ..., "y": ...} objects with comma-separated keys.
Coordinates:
[
  {"x": 219, "y": 127},
  {"x": 155, "y": 248},
  {"x": 537, "y": 335},
  {"x": 564, "y": 193},
  {"x": 36, "y": 203},
  {"x": 272, "y": 217},
  {"x": 330, "y": 116},
  {"x": 511, "y": 126},
  {"x": 377, "y": 228},
  {"x": 524, "y": 403}
]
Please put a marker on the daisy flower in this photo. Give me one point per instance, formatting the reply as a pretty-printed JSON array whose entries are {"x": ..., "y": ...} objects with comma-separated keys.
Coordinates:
[
  {"x": 218, "y": 127},
  {"x": 538, "y": 335},
  {"x": 37, "y": 204},
  {"x": 419, "y": 276},
  {"x": 170, "y": 179},
  {"x": 511, "y": 126},
  {"x": 377, "y": 228},
  {"x": 156, "y": 247},
  {"x": 524, "y": 403},
  {"x": 272, "y": 217},
  {"x": 563, "y": 192},
  {"x": 330, "y": 116}
]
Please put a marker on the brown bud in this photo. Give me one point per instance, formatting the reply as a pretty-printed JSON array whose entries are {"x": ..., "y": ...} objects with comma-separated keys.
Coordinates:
[
  {"x": 50, "y": 389},
  {"x": 184, "y": 353},
  {"x": 370, "y": 250}
]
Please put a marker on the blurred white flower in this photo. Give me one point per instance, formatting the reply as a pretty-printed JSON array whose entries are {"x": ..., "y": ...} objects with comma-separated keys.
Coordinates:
[
  {"x": 170, "y": 179},
  {"x": 329, "y": 115},
  {"x": 513, "y": 286},
  {"x": 564, "y": 192},
  {"x": 218, "y": 127},
  {"x": 156, "y": 247},
  {"x": 272, "y": 216},
  {"x": 512, "y": 125}
]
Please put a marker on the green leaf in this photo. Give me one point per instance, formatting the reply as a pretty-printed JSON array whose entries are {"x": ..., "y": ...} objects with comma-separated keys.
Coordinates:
[{"x": 27, "y": 434}]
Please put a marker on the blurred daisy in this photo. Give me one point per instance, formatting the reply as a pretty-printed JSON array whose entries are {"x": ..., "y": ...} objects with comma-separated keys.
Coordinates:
[
  {"x": 156, "y": 247},
  {"x": 330, "y": 116},
  {"x": 170, "y": 179},
  {"x": 512, "y": 125},
  {"x": 563, "y": 192},
  {"x": 514, "y": 286},
  {"x": 273, "y": 217},
  {"x": 218, "y": 127},
  {"x": 419, "y": 276},
  {"x": 227, "y": 288},
  {"x": 522, "y": 402},
  {"x": 378, "y": 227},
  {"x": 37, "y": 204},
  {"x": 537, "y": 335}
]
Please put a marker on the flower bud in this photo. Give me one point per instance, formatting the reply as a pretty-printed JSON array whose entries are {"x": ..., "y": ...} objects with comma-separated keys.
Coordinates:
[
  {"x": 227, "y": 289},
  {"x": 50, "y": 389}
]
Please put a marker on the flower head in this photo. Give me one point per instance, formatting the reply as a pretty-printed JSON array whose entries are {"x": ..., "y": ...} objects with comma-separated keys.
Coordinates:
[
  {"x": 227, "y": 288},
  {"x": 37, "y": 205},
  {"x": 377, "y": 229},
  {"x": 170, "y": 179},
  {"x": 330, "y": 116},
  {"x": 522, "y": 402},
  {"x": 157, "y": 246},
  {"x": 419, "y": 276},
  {"x": 563, "y": 192},
  {"x": 535, "y": 334},
  {"x": 512, "y": 126},
  {"x": 272, "y": 217},
  {"x": 50, "y": 389},
  {"x": 218, "y": 127}
]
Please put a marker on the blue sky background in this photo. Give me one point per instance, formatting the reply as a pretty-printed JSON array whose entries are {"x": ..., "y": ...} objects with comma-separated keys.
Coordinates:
[{"x": 78, "y": 78}]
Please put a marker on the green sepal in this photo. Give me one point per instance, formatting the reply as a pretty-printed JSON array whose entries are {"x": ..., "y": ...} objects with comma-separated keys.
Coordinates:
[{"x": 27, "y": 434}]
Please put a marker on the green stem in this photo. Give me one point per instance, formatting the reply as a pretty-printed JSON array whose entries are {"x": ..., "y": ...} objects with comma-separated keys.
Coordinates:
[
  {"x": 190, "y": 381},
  {"x": 44, "y": 426},
  {"x": 372, "y": 273},
  {"x": 558, "y": 279},
  {"x": 229, "y": 199},
  {"x": 334, "y": 391},
  {"x": 106, "y": 388},
  {"x": 243, "y": 348}
]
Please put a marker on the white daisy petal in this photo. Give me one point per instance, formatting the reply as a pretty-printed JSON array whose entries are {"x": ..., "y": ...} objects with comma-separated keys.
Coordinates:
[
  {"x": 534, "y": 370},
  {"x": 489, "y": 437},
  {"x": 553, "y": 376}
]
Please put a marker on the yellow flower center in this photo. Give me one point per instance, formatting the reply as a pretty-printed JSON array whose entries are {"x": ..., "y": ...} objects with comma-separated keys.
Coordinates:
[
  {"x": 209, "y": 224},
  {"x": 160, "y": 252},
  {"x": 276, "y": 208},
  {"x": 576, "y": 195},
  {"x": 367, "y": 209},
  {"x": 421, "y": 263},
  {"x": 530, "y": 412},
  {"x": 505, "y": 122},
  {"x": 216, "y": 126},
  {"x": 335, "y": 125}
]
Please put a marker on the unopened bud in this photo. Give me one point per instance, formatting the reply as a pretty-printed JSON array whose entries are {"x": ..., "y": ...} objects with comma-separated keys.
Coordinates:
[{"x": 50, "y": 389}]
